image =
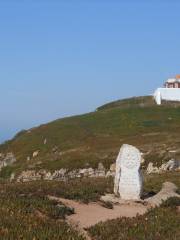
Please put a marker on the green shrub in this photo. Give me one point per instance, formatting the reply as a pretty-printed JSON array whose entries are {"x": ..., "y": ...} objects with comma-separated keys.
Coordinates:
[
  {"x": 172, "y": 202},
  {"x": 6, "y": 172},
  {"x": 86, "y": 190},
  {"x": 32, "y": 216},
  {"x": 159, "y": 223}
]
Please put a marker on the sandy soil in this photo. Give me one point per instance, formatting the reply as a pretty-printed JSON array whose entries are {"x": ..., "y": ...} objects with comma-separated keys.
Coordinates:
[{"x": 87, "y": 215}]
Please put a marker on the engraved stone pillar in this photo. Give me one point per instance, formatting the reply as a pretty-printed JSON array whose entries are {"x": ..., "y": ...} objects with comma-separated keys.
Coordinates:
[{"x": 128, "y": 179}]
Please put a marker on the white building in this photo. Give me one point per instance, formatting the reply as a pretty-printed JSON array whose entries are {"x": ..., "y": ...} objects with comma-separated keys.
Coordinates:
[{"x": 170, "y": 91}]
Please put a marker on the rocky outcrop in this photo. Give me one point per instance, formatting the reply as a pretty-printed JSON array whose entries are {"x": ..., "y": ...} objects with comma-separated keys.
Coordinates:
[
  {"x": 35, "y": 154},
  {"x": 62, "y": 174},
  {"x": 112, "y": 170},
  {"x": 168, "y": 190},
  {"x": 65, "y": 174},
  {"x": 152, "y": 169},
  {"x": 6, "y": 159},
  {"x": 171, "y": 165}
]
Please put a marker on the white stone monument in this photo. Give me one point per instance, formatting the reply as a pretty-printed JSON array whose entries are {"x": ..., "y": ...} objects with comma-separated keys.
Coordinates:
[{"x": 128, "y": 179}]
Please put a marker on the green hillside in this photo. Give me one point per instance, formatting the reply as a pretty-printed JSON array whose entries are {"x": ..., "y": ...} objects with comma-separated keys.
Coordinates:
[{"x": 88, "y": 139}]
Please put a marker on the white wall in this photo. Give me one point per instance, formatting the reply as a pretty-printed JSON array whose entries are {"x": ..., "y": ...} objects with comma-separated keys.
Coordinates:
[{"x": 169, "y": 94}]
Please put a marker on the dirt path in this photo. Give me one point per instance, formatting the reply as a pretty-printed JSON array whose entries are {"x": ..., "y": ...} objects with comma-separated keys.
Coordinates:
[{"x": 87, "y": 215}]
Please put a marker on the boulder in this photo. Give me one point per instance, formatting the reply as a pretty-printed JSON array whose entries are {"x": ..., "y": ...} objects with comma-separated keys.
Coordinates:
[
  {"x": 100, "y": 171},
  {"x": 12, "y": 177},
  {"x": 86, "y": 172},
  {"x": 152, "y": 169},
  {"x": 171, "y": 165},
  {"x": 112, "y": 170},
  {"x": 168, "y": 190},
  {"x": 28, "y": 176},
  {"x": 110, "y": 174},
  {"x": 55, "y": 149},
  {"x": 7, "y": 160},
  {"x": 59, "y": 174},
  {"x": 35, "y": 154},
  {"x": 112, "y": 167},
  {"x": 101, "y": 167}
]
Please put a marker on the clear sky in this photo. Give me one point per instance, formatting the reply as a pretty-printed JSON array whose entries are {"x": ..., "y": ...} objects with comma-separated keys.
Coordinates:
[{"x": 60, "y": 58}]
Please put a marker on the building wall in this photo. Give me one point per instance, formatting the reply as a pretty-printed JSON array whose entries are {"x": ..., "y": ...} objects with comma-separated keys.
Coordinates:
[
  {"x": 169, "y": 94},
  {"x": 172, "y": 85}
]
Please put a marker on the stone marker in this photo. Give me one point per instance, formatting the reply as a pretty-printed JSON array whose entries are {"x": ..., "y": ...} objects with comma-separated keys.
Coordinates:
[{"x": 128, "y": 179}]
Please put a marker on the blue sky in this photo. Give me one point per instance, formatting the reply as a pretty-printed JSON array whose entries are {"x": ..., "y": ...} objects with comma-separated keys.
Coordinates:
[{"x": 60, "y": 58}]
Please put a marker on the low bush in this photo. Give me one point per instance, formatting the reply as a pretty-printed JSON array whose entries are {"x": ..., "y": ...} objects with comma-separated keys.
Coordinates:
[
  {"x": 34, "y": 217},
  {"x": 85, "y": 190},
  {"x": 172, "y": 202}
]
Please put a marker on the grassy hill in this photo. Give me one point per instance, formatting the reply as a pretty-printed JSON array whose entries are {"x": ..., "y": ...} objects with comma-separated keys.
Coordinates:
[{"x": 88, "y": 139}]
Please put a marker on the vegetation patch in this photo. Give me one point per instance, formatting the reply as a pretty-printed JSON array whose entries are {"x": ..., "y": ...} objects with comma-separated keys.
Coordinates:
[
  {"x": 27, "y": 213},
  {"x": 158, "y": 223},
  {"x": 88, "y": 139},
  {"x": 85, "y": 190},
  {"x": 6, "y": 172},
  {"x": 32, "y": 216}
]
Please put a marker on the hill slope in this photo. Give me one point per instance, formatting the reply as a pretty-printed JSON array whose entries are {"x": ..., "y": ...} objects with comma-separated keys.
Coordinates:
[{"x": 95, "y": 137}]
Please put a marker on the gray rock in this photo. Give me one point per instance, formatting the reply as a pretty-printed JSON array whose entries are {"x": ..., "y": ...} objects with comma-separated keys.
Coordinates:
[
  {"x": 171, "y": 165},
  {"x": 112, "y": 171},
  {"x": 101, "y": 171},
  {"x": 28, "y": 176},
  {"x": 152, "y": 169},
  {"x": 113, "y": 167},
  {"x": 7, "y": 160},
  {"x": 12, "y": 177},
  {"x": 48, "y": 176},
  {"x": 35, "y": 154},
  {"x": 55, "y": 149},
  {"x": 86, "y": 172},
  {"x": 73, "y": 174},
  {"x": 168, "y": 190},
  {"x": 59, "y": 174},
  {"x": 91, "y": 172},
  {"x": 142, "y": 160},
  {"x": 110, "y": 174},
  {"x": 101, "y": 167}
]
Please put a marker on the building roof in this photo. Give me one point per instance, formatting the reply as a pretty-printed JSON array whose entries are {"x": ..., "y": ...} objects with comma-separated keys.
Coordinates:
[{"x": 173, "y": 80}]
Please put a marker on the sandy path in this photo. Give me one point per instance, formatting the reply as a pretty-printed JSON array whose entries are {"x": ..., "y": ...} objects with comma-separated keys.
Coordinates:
[{"x": 87, "y": 215}]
